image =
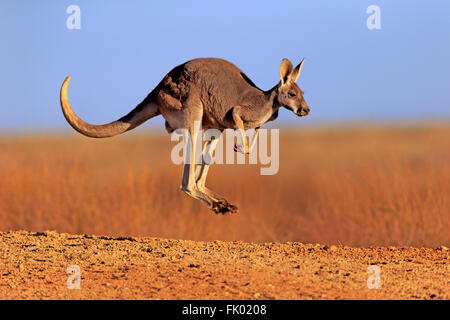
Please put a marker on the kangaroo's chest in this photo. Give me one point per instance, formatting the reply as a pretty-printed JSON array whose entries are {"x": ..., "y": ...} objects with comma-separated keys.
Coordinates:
[{"x": 257, "y": 117}]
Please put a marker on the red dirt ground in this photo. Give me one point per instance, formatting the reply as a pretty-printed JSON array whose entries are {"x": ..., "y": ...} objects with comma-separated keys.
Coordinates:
[{"x": 33, "y": 266}]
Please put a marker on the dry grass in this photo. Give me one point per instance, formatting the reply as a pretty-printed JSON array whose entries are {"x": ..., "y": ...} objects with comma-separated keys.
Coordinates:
[{"x": 354, "y": 186}]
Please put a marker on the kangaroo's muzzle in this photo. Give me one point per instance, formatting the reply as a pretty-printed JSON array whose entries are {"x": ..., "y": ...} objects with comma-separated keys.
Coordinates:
[{"x": 303, "y": 111}]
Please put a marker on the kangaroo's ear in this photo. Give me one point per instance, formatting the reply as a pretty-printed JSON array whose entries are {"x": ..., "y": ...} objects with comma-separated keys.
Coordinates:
[
  {"x": 297, "y": 71},
  {"x": 286, "y": 68}
]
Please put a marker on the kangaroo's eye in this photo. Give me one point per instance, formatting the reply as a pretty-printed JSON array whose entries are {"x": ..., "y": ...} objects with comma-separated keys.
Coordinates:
[{"x": 291, "y": 94}]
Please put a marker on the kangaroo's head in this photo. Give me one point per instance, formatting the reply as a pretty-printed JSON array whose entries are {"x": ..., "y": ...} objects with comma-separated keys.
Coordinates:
[{"x": 289, "y": 94}]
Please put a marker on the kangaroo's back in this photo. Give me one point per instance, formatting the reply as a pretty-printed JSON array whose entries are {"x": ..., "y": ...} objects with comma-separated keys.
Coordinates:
[{"x": 219, "y": 84}]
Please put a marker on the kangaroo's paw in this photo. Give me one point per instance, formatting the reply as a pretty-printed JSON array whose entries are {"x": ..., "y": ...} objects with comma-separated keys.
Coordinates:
[
  {"x": 241, "y": 149},
  {"x": 218, "y": 203},
  {"x": 223, "y": 207}
]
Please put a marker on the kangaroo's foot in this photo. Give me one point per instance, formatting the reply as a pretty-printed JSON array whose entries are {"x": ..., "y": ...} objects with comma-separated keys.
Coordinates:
[
  {"x": 223, "y": 207},
  {"x": 222, "y": 203},
  {"x": 216, "y": 205}
]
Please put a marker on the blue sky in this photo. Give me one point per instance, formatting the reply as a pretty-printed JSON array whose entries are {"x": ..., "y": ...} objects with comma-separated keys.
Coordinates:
[{"x": 123, "y": 50}]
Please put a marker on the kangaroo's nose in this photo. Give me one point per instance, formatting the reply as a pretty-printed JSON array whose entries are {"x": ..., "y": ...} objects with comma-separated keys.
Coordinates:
[{"x": 303, "y": 111}]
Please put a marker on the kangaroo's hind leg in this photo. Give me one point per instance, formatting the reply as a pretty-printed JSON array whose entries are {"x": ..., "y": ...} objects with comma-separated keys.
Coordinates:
[
  {"x": 188, "y": 183},
  {"x": 192, "y": 122},
  {"x": 202, "y": 172}
]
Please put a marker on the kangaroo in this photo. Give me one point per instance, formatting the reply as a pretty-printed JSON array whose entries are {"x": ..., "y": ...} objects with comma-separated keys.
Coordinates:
[{"x": 210, "y": 91}]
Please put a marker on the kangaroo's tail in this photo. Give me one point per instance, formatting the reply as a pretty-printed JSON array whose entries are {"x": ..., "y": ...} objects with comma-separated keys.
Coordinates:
[{"x": 145, "y": 110}]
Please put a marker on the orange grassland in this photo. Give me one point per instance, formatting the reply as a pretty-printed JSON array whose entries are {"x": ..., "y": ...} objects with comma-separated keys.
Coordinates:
[{"x": 358, "y": 185}]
